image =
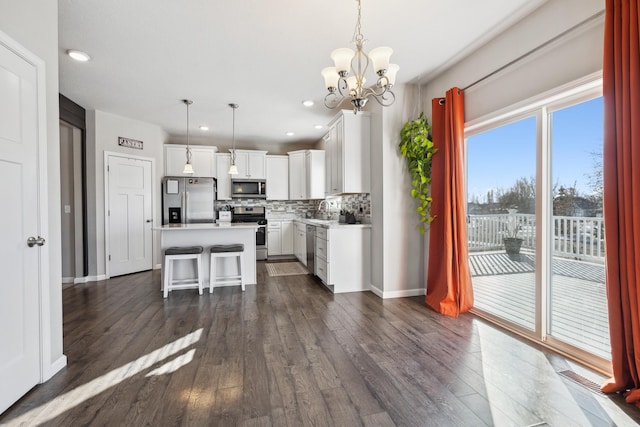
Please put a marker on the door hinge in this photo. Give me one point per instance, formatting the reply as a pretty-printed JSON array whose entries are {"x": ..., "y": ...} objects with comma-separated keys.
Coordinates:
[
  {"x": 109, "y": 257},
  {"x": 108, "y": 212}
]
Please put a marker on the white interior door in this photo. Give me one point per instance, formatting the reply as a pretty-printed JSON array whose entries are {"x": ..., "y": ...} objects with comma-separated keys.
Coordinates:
[
  {"x": 129, "y": 215},
  {"x": 19, "y": 220}
]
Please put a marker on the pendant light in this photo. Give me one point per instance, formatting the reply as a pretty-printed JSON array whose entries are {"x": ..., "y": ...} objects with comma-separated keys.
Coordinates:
[
  {"x": 233, "y": 169},
  {"x": 188, "y": 169}
]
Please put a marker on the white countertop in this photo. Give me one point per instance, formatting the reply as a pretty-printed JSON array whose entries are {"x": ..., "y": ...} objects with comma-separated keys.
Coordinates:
[
  {"x": 326, "y": 223},
  {"x": 221, "y": 226}
]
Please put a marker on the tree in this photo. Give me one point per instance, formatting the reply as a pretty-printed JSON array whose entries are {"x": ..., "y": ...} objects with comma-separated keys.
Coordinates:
[{"x": 521, "y": 196}]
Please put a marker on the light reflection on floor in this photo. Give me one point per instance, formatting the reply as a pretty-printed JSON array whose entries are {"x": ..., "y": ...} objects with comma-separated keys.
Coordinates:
[{"x": 80, "y": 394}]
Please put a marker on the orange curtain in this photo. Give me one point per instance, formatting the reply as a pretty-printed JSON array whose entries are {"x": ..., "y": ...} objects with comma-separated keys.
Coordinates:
[
  {"x": 449, "y": 288},
  {"x": 621, "y": 169}
]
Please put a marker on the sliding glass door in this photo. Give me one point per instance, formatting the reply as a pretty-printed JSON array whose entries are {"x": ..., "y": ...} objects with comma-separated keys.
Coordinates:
[
  {"x": 501, "y": 171},
  {"x": 535, "y": 222},
  {"x": 577, "y": 295}
]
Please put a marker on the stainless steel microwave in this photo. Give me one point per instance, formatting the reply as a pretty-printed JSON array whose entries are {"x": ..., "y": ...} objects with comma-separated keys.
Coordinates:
[{"x": 249, "y": 188}]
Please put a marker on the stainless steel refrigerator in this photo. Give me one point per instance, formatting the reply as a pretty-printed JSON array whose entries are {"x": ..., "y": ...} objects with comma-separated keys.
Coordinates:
[{"x": 188, "y": 200}]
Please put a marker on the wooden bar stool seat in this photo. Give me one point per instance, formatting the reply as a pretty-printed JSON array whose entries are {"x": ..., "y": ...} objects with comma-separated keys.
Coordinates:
[
  {"x": 174, "y": 254},
  {"x": 221, "y": 252}
]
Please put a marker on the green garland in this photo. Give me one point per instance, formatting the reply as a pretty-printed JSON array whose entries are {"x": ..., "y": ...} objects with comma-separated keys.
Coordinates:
[{"x": 418, "y": 149}]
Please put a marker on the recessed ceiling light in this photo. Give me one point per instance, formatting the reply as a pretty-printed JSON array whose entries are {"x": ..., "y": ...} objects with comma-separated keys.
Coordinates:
[
  {"x": 308, "y": 103},
  {"x": 78, "y": 55},
  {"x": 318, "y": 126},
  {"x": 290, "y": 134},
  {"x": 203, "y": 127}
]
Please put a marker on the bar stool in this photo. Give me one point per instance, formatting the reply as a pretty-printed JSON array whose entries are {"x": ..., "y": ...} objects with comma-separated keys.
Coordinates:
[
  {"x": 181, "y": 253},
  {"x": 226, "y": 251}
]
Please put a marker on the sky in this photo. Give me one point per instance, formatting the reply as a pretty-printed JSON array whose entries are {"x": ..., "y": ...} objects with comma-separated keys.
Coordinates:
[{"x": 499, "y": 157}]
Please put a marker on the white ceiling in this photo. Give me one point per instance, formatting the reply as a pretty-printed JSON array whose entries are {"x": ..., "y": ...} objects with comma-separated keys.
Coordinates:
[{"x": 266, "y": 56}]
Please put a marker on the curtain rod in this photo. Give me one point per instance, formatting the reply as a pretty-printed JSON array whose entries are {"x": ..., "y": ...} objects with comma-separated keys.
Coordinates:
[{"x": 532, "y": 51}]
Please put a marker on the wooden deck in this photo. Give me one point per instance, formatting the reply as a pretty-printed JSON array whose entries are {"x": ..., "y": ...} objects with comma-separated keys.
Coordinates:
[{"x": 505, "y": 286}]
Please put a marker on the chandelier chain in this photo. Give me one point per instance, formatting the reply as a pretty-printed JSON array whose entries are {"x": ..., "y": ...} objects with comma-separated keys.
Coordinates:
[{"x": 357, "y": 32}]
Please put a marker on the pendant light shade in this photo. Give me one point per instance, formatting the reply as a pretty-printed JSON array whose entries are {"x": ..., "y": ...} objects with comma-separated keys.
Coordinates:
[
  {"x": 233, "y": 169},
  {"x": 188, "y": 169}
]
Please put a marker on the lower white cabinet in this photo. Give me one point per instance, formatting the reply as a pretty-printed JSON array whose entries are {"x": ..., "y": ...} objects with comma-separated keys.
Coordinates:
[
  {"x": 280, "y": 235},
  {"x": 343, "y": 258},
  {"x": 300, "y": 242}
]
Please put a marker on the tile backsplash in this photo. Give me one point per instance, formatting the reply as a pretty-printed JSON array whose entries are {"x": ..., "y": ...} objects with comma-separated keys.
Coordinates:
[{"x": 308, "y": 208}]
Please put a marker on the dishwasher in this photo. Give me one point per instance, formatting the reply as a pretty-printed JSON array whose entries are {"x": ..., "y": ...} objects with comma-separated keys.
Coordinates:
[{"x": 311, "y": 249}]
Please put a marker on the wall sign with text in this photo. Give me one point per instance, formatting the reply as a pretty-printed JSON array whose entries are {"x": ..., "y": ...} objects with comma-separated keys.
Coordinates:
[{"x": 130, "y": 143}]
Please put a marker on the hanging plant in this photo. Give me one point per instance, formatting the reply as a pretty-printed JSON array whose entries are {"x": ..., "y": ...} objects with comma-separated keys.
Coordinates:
[{"x": 418, "y": 149}]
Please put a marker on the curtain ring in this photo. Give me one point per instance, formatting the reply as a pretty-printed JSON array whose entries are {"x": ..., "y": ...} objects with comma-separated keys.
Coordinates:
[{"x": 441, "y": 101}]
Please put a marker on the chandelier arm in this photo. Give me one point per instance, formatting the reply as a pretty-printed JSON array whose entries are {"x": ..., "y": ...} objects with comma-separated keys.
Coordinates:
[
  {"x": 332, "y": 100},
  {"x": 382, "y": 98}
]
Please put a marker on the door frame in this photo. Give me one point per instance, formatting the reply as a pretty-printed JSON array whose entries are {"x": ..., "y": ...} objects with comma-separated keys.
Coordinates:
[
  {"x": 107, "y": 244},
  {"x": 540, "y": 106},
  {"x": 47, "y": 367}
]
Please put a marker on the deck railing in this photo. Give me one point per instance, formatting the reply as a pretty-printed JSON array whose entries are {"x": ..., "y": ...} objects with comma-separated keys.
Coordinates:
[{"x": 574, "y": 237}]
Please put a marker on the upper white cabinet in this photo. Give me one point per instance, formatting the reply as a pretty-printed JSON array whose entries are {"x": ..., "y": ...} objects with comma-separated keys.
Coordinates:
[
  {"x": 315, "y": 170},
  {"x": 224, "y": 181},
  {"x": 297, "y": 180},
  {"x": 202, "y": 160},
  {"x": 277, "y": 178},
  {"x": 347, "y": 144},
  {"x": 306, "y": 174},
  {"x": 252, "y": 164}
]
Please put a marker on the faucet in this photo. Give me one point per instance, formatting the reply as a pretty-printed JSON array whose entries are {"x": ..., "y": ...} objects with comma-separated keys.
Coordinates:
[{"x": 323, "y": 207}]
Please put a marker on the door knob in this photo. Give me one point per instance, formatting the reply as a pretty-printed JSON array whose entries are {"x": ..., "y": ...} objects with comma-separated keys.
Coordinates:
[{"x": 31, "y": 241}]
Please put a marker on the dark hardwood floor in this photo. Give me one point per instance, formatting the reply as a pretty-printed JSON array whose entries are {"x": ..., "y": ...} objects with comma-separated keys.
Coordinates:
[{"x": 289, "y": 353}]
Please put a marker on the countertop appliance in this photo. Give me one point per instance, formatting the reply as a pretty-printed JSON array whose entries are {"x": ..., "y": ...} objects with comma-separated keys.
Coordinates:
[
  {"x": 311, "y": 249},
  {"x": 249, "y": 188},
  {"x": 188, "y": 200},
  {"x": 254, "y": 214}
]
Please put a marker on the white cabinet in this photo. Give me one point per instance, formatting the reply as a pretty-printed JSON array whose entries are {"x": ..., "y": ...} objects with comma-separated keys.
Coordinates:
[
  {"x": 348, "y": 164},
  {"x": 277, "y": 178},
  {"x": 224, "y": 181},
  {"x": 314, "y": 170},
  {"x": 297, "y": 180},
  {"x": 287, "y": 233},
  {"x": 274, "y": 237},
  {"x": 202, "y": 160},
  {"x": 306, "y": 174},
  {"x": 280, "y": 235},
  {"x": 343, "y": 258},
  {"x": 251, "y": 164},
  {"x": 300, "y": 242}
]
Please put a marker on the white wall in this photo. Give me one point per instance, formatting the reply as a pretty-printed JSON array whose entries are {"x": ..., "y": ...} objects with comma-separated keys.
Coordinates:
[
  {"x": 574, "y": 56},
  {"x": 103, "y": 130},
  {"x": 38, "y": 33},
  {"x": 398, "y": 257}
]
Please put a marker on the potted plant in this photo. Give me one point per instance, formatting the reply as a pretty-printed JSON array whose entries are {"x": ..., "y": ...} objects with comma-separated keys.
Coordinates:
[
  {"x": 512, "y": 243},
  {"x": 416, "y": 146}
]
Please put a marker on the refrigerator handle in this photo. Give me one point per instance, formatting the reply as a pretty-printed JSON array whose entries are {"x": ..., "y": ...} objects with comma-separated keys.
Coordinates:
[{"x": 185, "y": 202}]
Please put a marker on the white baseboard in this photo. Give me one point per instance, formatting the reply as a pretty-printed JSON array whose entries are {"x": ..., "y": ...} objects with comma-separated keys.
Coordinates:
[
  {"x": 68, "y": 280},
  {"x": 398, "y": 294},
  {"x": 157, "y": 267},
  {"x": 87, "y": 279},
  {"x": 49, "y": 371}
]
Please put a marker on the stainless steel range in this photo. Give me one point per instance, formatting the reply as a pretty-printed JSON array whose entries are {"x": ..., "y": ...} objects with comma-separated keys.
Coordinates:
[{"x": 254, "y": 214}]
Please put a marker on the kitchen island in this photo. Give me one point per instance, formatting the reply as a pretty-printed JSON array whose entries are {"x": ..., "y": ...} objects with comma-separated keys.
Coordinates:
[{"x": 206, "y": 235}]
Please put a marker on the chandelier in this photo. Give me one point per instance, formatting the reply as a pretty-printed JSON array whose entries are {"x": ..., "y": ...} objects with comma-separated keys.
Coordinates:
[{"x": 346, "y": 79}]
